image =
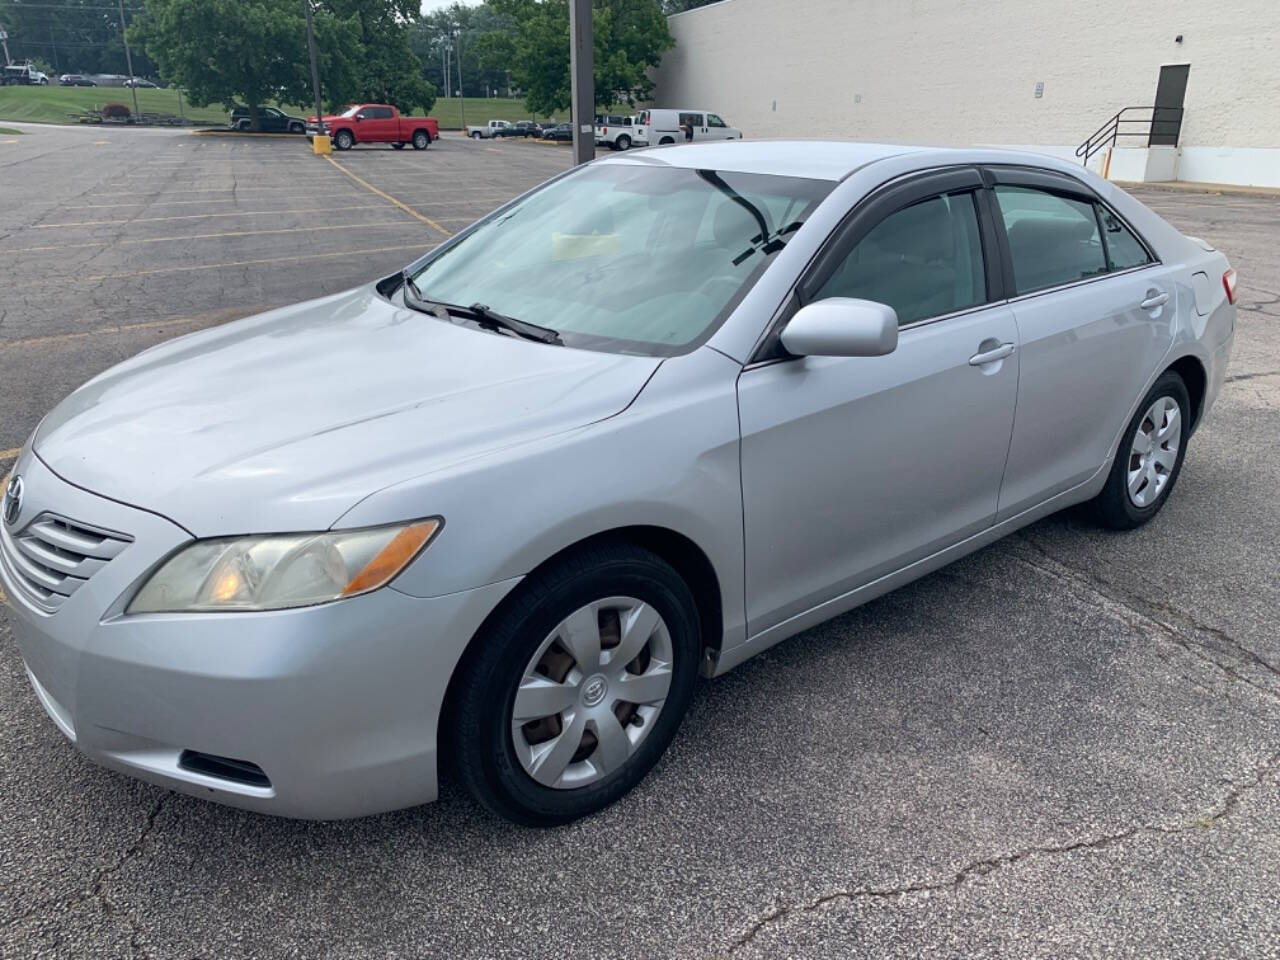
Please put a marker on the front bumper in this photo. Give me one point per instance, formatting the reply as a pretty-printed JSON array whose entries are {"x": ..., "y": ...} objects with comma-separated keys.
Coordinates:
[{"x": 337, "y": 704}]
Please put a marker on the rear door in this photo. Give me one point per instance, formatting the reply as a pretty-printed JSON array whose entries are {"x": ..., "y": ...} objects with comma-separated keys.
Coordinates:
[
  {"x": 853, "y": 467},
  {"x": 1095, "y": 313}
]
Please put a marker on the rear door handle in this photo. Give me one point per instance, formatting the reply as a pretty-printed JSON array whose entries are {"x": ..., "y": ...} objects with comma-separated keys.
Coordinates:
[
  {"x": 991, "y": 356},
  {"x": 1156, "y": 300}
]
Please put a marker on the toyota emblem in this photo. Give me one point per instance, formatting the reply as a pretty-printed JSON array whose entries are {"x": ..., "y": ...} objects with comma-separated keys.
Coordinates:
[{"x": 13, "y": 501}]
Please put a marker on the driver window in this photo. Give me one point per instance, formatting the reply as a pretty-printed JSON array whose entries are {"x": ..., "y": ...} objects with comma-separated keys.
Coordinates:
[
  {"x": 714, "y": 121},
  {"x": 924, "y": 260}
]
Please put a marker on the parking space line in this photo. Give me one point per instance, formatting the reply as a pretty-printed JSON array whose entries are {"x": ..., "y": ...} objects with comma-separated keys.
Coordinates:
[
  {"x": 202, "y": 216},
  {"x": 215, "y": 316},
  {"x": 388, "y": 197},
  {"x": 171, "y": 203},
  {"x": 212, "y": 236},
  {"x": 248, "y": 263},
  {"x": 10, "y": 454}
]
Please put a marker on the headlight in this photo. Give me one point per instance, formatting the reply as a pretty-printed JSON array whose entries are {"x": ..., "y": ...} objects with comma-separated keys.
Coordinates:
[{"x": 276, "y": 572}]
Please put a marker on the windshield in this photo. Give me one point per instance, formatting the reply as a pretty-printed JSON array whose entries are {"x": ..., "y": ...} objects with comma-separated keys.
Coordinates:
[
  {"x": 350, "y": 111},
  {"x": 626, "y": 257}
]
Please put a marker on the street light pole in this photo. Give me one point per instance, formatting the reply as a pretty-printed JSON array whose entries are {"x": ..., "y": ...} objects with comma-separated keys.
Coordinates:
[
  {"x": 320, "y": 143},
  {"x": 462, "y": 100},
  {"x": 582, "y": 81},
  {"x": 128, "y": 59}
]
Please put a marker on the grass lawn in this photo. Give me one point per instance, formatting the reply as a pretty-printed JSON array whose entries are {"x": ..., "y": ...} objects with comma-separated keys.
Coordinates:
[
  {"x": 52, "y": 104},
  {"x": 9, "y": 132}
]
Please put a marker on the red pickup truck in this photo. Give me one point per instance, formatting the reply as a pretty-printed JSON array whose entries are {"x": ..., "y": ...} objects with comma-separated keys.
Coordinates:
[{"x": 375, "y": 123}]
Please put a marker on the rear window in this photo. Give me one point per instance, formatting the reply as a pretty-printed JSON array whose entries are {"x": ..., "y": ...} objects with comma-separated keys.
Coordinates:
[{"x": 1053, "y": 239}]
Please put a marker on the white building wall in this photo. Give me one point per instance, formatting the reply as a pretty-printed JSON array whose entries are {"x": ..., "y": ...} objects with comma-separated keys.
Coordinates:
[{"x": 965, "y": 72}]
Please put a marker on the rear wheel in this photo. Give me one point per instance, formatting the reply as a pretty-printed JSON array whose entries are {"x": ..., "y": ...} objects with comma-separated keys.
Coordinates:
[
  {"x": 575, "y": 690},
  {"x": 1149, "y": 458},
  {"x": 623, "y": 143},
  {"x": 421, "y": 140},
  {"x": 343, "y": 140},
  {"x": 665, "y": 140}
]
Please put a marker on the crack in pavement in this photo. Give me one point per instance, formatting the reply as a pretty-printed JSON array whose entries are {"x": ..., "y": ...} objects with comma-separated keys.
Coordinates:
[
  {"x": 1130, "y": 607},
  {"x": 1251, "y": 376},
  {"x": 99, "y": 891},
  {"x": 98, "y": 885},
  {"x": 981, "y": 868}
]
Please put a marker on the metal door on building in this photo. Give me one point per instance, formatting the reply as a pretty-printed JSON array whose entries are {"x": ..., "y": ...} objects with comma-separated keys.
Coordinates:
[{"x": 1166, "y": 118}]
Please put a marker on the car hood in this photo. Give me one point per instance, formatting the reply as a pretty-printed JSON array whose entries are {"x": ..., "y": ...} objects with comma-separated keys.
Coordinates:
[{"x": 286, "y": 420}]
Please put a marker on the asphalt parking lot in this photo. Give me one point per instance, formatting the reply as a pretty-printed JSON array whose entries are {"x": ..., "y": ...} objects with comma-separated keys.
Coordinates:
[{"x": 1067, "y": 744}]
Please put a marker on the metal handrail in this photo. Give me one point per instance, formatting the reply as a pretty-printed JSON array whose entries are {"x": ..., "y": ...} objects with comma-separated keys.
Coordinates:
[{"x": 1107, "y": 134}]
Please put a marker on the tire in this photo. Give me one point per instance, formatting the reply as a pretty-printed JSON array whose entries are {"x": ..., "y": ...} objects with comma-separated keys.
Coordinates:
[
  {"x": 343, "y": 140},
  {"x": 244, "y": 126},
  {"x": 477, "y": 135},
  {"x": 296, "y": 128},
  {"x": 664, "y": 141},
  {"x": 622, "y": 143},
  {"x": 421, "y": 139},
  {"x": 480, "y": 723},
  {"x": 397, "y": 146},
  {"x": 1127, "y": 500}
]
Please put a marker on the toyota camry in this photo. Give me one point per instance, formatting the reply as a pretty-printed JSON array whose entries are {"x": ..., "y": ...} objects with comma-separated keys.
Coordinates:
[{"x": 496, "y": 513}]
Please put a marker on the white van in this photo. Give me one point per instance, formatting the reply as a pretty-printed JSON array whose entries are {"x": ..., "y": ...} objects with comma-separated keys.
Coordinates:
[{"x": 658, "y": 127}]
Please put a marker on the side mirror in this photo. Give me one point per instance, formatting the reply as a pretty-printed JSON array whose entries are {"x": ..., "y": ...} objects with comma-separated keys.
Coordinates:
[
  {"x": 359, "y": 117},
  {"x": 842, "y": 327}
]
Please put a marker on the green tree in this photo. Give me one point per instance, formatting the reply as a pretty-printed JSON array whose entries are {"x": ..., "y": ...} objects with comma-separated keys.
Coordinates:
[
  {"x": 71, "y": 36},
  {"x": 228, "y": 51},
  {"x": 630, "y": 38},
  {"x": 387, "y": 70}
]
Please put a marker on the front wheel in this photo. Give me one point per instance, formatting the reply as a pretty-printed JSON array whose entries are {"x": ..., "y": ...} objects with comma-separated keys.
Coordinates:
[
  {"x": 343, "y": 140},
  {"x": 1149, "y": 457},
  {"x": 574, "y": 691},
  {"x": 421, "y": 140},
  {"x": 296, "y": 128}
]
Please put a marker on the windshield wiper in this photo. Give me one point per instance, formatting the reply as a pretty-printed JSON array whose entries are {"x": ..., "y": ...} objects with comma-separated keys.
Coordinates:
[{"x": 478, "y": 312}]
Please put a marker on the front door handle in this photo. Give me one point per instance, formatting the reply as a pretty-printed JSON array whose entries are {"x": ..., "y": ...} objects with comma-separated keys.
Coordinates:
[
  {"x": 991, "y": 356},
  {"x": 1154, "y": 300}
]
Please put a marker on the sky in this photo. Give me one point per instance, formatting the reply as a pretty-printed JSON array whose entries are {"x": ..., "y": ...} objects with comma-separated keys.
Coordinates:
[{"x": 430, "y": 5}]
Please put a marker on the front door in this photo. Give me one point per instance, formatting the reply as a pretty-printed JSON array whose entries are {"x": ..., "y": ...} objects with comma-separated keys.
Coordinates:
[
  {"x": 1166, "y": 119},
  {"x": 855, "y": 467}
]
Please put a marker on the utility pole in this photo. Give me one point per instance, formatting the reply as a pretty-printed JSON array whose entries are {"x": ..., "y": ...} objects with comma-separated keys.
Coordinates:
[
  {"x": 320, "y": 142},
  {"x": 582, "y": 81},
  {"x": 462, "y": 100},
  {"x": 4, "y": 42},
  {"x": 128, "y": 59}
]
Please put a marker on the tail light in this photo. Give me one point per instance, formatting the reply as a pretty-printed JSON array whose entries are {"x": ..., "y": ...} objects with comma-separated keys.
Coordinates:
[{"x": 1229, "y": 284}]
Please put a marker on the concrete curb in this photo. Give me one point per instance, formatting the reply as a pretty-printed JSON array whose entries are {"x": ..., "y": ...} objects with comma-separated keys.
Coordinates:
[
  {"x": 1190, "y": 186},
  {"x": 247, "y": 134}
]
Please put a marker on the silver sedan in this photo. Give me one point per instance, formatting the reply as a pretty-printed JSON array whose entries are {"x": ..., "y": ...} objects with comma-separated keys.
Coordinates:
[{"x": 497, "y": 512}]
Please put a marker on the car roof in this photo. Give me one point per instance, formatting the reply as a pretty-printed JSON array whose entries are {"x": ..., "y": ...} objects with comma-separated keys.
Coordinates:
[
  {"x": 822, "y": 159},
  {"x": 815, "y": 159}
]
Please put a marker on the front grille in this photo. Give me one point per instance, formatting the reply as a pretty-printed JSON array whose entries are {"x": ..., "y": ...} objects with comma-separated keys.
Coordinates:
[{"x": 52, "y": 557}]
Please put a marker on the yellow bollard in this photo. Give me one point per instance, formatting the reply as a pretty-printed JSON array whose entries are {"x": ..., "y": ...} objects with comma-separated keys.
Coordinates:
[{"x": 320, "y": 145}]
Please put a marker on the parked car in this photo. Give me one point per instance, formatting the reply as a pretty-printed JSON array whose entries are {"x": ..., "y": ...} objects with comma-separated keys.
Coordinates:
[
  {"x": 376, "y": 123},
  {"x": 521, "y": 128},
  {"x": 494, "y": 128},
  {"x": 614, "y": 131},
  {"x": 665, "y": 126},
  {"x": 22, "y": 74},
  {"x": 75, "y": 80},
  {"x": 559, "y": 131},
  {"x": 270, "y": 120},
  {"x": 140, "y": 82},
  {"x": 693, "y": 408}
]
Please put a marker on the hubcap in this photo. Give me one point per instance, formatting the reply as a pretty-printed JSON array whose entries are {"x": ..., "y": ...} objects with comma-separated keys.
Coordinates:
[
  {"x": 1154, "y": 451},
  {"x": 591, "y": 692}
]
